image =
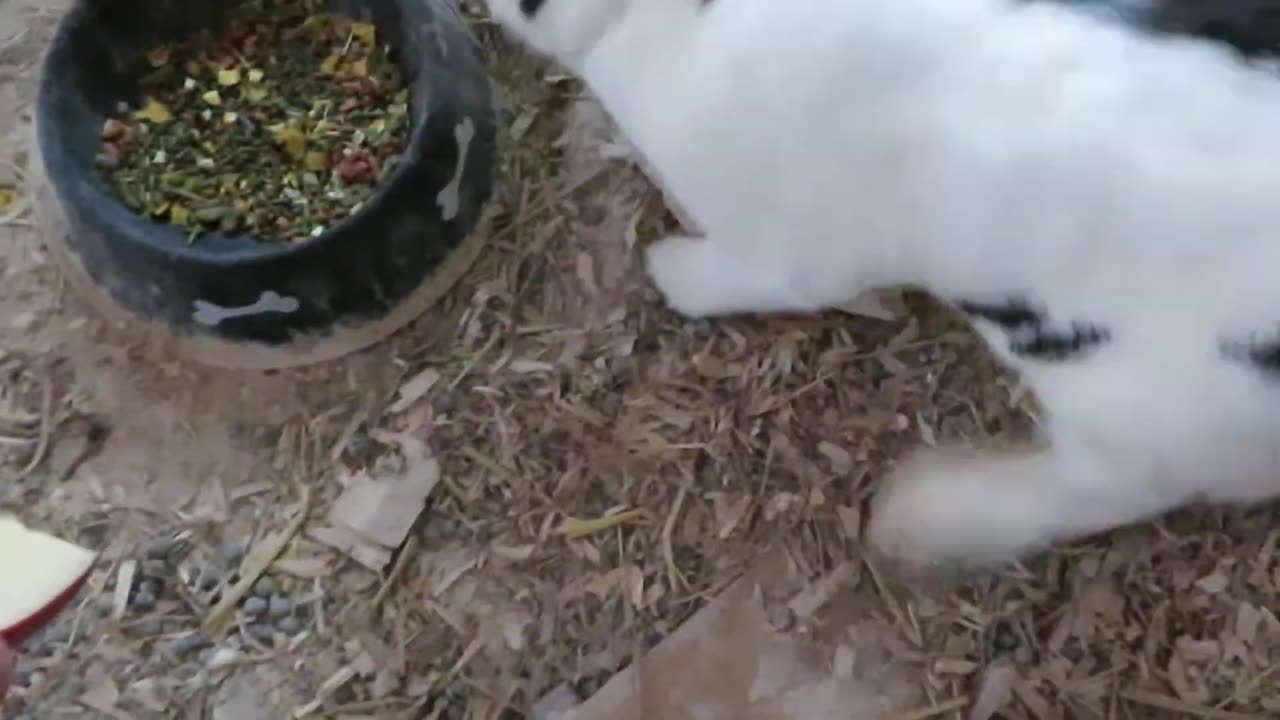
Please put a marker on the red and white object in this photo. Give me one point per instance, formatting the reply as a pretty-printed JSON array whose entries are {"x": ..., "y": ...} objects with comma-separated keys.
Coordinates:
[{"x": 39, "y": 575}]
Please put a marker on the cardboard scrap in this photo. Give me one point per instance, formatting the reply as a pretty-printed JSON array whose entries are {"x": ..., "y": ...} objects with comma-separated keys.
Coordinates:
[
  {"x": 729, "y": 662},
  {"x": 373, "y": 515},
  {"x": 245, "y": 696}
]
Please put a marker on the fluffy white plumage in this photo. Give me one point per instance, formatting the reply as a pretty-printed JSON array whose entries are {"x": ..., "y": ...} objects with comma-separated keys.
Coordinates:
[{"x": 980, "y": 149}]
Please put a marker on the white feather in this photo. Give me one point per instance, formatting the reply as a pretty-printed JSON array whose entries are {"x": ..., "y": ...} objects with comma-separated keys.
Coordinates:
[{"x": 978, "y": 149}]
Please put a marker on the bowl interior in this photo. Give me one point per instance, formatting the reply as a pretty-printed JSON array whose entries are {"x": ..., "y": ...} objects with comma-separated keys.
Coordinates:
[{"x": 96, "y": 63}]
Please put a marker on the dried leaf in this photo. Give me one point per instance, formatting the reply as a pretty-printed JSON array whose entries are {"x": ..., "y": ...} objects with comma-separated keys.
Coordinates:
[
  {"x": 365, "y": 32},
  {"x": 525, "y": 367},
  {"x": 518, "y": 553},
  {"x": 242, "y": 696},
  {"x": 712, "y": 367},
  {"x": 556, "y": 704},
  {"x": 851, "y": 521},
  {"x": 841, "y": 460},
  {"x": 883, "y": 304},
  {"x": 314, "y": 566},
  {"x": 574, "y": 528},
  {"x": 994, "y": 691},
  {"x": 228, "y": 78},
  {"x": 634, "y": 579},
  {"x": 147, "y": 693},
  {"x": 513, "y": 631},
  {"x": 8, "y": 197},
  {"x": 329, "y": 66},
  {"x": 293, "y": 140},
  {"x": 179, "y": 214},
  {"x": 327, "y": 688},
  {"x": 414, "y": 389},
  {"x": 113, "y": 129},
  {"x": 1248, "y": 619},
  {"x": 315, "y": 161},
  {"x": 124, "y": 584},
  {"x": 729, "y": 511},
  {"x": 959, "y": 666},
  {"x": 102, "y": 695},
  {"x": 1198, "y": 650},
  {"x": 1182, "y": 682},
  {"x": 158, "y": 57},
  {"x": 1213, "y": 583},
  {"x": 1035, "y": 702},
  {"x": 154, "y": 111}
]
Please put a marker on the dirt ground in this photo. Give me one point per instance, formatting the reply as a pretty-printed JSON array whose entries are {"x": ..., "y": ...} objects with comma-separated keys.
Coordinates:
[{"x": 604, "y": 471}]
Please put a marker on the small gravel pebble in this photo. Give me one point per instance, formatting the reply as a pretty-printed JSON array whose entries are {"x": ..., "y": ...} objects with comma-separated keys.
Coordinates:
[
  {"x": 1005, "y": 638},
  {"x": 35, "y": 679},
  {"x": 254, "y": 606},
  {"x": 701, "y": 326},
  {"x": 150, "y": 587},
  {"x": 106, "y": 603},
  {"x": 442, "y": 528},
  {"x": 780, "y": 617},
  {"x": 289, "y": 625},
  {"x": 209, "y": 578},
  {"x": 446, "y": 402},
  {"x": 280, "y": 606},
  {"x": 154, "y": 568},
  {"x": 188, "y": 644},
  {"x": 159, "y": 548},
  {"x": 232, "y": 551},
  {"x": 451, "y": 705},
  {"x": 151, "y": 626},
  {"x": 593, "y": 214},
  {"x": 143, "y": 602},
  {"x": 358, "y": 445},
  {"x": 222, "y": 656},
  {"x": 589, "y": 685},
  {"x": 265, "y": 587},
  {"x": 58, "y": 634},
  {"x": 262, "y": 633}
]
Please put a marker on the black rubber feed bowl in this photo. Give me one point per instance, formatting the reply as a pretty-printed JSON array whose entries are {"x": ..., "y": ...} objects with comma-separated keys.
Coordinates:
[{"x": 236, "y": 288}]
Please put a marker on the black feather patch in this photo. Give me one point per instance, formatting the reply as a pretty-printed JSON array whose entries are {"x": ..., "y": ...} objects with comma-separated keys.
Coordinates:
[
  {"x": 531, "y": 7},
  {"x": 1262, "y": 354},
  {"x": 1030, "y": 333},
  {"x": 1251, "y": 27},
  {"x": 1010, "y": 314}
]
